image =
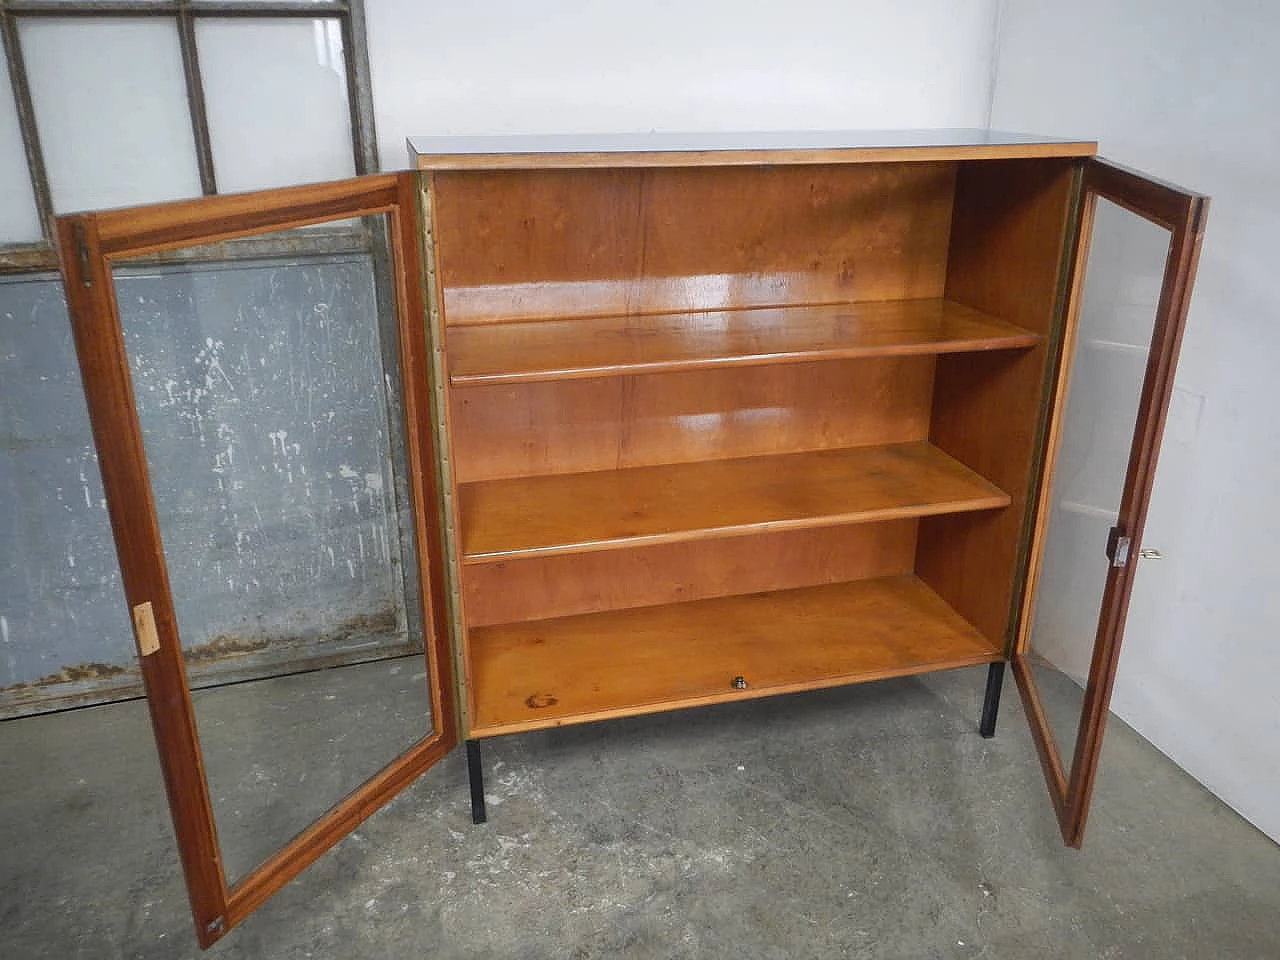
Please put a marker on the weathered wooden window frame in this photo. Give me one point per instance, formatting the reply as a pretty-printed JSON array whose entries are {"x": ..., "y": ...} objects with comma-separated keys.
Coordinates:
[{"x": 349, "y": 14}]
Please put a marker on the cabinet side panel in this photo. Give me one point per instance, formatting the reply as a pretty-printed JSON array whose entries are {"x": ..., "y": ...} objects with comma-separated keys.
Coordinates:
[
  {"x": 513, "y": 430},
  {"x": 1007, "y": 257},
  {"x": 533, "y": 244},
  {"x": 539, "y": 588},
  {"x": 445, "y": 453}
]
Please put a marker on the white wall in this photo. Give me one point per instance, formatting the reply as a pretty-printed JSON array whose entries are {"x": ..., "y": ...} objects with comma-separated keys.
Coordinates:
[
  {"x": 513, "y": 66},
  {"x": 1191, "y": 91}
]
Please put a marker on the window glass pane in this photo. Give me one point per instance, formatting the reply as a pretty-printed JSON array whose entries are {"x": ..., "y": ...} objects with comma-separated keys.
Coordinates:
[
  {"x": 276, "y": 97},
  {"x": 64, "y": 629},
  {"x": 19, "y": 222},
  {"x": 111, "y": 108}
]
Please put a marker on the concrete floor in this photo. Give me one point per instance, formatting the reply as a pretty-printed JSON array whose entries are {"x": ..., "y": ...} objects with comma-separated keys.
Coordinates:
[{"x": 865, "y": 822}]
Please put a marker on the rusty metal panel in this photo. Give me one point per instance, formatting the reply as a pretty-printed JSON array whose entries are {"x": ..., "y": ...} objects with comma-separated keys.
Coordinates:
[{"x": 267, "y": 426}]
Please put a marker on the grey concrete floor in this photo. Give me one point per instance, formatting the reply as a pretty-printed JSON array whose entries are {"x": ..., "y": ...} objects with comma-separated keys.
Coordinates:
[{"x": 865, "y": 822}]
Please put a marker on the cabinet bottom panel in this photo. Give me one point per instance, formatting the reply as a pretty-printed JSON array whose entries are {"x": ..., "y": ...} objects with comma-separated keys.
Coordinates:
[{"x": 574, "y": 669}]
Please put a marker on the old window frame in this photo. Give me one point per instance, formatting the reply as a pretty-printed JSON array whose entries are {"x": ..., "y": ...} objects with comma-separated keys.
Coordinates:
[{"x": 349, "y": 14}]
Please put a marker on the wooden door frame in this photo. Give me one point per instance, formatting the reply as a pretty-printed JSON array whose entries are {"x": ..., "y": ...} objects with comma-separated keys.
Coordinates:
[
  {"x": 88, "y": 246},
  {"x": 1182, "y": 213}
]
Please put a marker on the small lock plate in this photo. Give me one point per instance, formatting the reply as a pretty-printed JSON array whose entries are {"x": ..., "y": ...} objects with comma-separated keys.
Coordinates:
[{"x": 144, "y": 623}]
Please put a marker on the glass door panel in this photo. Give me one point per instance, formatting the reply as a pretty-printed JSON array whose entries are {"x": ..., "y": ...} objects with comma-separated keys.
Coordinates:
[
  {"x": 273, "y": 448},
  {"x": 1112, "y": 343},
  {"x": 1124, "y": 328},
  {"x": 269, "y": 482}
]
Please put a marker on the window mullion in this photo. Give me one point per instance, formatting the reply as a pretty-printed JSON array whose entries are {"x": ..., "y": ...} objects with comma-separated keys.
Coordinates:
[
  {"x": 26, "y": 118},
  {"x": 195, "y": 98},
  {"x": 355, "y": 56}
]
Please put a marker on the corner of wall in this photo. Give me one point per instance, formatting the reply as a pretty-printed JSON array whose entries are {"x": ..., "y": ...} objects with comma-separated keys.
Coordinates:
[{"x": 993, "y": 51}]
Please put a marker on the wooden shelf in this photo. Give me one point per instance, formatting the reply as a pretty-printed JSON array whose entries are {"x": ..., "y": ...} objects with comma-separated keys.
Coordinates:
[
  {"x": 612, "y": 346},
  {"x": 576, "y": 513},
  {"x": 574, "y": 669}
]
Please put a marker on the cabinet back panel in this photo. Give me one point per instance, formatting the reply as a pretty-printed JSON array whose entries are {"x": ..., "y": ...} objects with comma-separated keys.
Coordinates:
[
  {"x": 540, "y": 588},
  {"x": 512, "y": 430},
  {"x": 1007, "y": 258},
  {"x": 529, "y": 244}
]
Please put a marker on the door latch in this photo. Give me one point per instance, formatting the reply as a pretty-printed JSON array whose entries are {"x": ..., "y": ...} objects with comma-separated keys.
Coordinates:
[{"x": 1118, "y": 546}]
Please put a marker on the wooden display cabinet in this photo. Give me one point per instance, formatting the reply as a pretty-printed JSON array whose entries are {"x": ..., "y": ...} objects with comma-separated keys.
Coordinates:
[{"x": 693, "y": 420}]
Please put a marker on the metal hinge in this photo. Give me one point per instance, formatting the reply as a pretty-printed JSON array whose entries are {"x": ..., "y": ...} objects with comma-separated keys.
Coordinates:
[
  {"x": 82, "y": 249},
  {"x": 1118, "y": 547}
]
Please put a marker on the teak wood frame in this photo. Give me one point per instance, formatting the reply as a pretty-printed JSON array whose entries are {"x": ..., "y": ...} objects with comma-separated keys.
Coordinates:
[
  {"x": 1029, "y": 228},
  {"x": 1178, "y": 211},
  {"x": 89, "y": 245},
  {"x": 1182, "y": 214},
  {"x": 1025, "y": 205}
]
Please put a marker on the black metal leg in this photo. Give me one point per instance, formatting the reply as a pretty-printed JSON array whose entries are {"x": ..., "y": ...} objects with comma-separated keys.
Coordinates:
[
  {"x": 991, "y": 705},
  {"x": 476, "y": 774}
]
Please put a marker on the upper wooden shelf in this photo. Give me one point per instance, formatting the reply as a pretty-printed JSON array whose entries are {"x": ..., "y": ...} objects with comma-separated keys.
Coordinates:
[
  {"x": 546, "y": 673},
  {"x": 653, "y": 149},
  {"x": 609, "y": 346},
  {"x": 608, "y": 509}
]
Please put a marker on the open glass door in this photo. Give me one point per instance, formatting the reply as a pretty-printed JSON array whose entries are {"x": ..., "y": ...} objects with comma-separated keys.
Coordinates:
[
  {"x": 1138, "y": 244},
  {"x": 264, "y": 434}
]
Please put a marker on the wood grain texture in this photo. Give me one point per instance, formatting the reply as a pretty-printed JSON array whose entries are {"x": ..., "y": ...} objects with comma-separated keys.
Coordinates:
[
  {"x": 122, "y": 458},
  {"x": 575, "y": 513},
  {"x": 531, "y": 675},
  {"x": 609, "y": 423},
  {"x": 117, "y": 433},
  {"x": 612, "y": 346},
  {"x": 441, "y": 407},
  {"x": 135, "y": 231},
  {"x": 1008, "y": 258},
  {"x": 1046, "y": 747},
  {"x": 540, "y": 588},
  {"x": 423, "y": 456},
  {"x": 748, "y": 158},
  {"x": 1184, "y": 213},
  {"x": 564, "y": 243},
  {"x": 731, "y": 148}
]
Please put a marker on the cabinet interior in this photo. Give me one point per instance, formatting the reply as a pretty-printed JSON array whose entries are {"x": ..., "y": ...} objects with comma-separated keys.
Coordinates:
[{"x": 718, "y": 432}]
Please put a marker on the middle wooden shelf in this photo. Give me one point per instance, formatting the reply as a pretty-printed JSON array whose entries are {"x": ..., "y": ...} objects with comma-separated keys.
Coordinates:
[
  {"x": 566, "y": 349},
  {"x": 610, "y": 509}
]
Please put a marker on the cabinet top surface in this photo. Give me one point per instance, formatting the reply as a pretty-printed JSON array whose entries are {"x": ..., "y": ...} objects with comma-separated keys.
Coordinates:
[{"x": 528, "y": 151}]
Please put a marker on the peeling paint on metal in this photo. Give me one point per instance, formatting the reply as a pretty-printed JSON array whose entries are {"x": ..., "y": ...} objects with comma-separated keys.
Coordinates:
[{"x": 261, "y": 395}]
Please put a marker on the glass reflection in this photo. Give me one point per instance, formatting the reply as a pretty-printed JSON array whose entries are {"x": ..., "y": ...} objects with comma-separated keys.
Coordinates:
[
  {"x": 1118, "y": 309},
  {"x": 265, "y": 390}
]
